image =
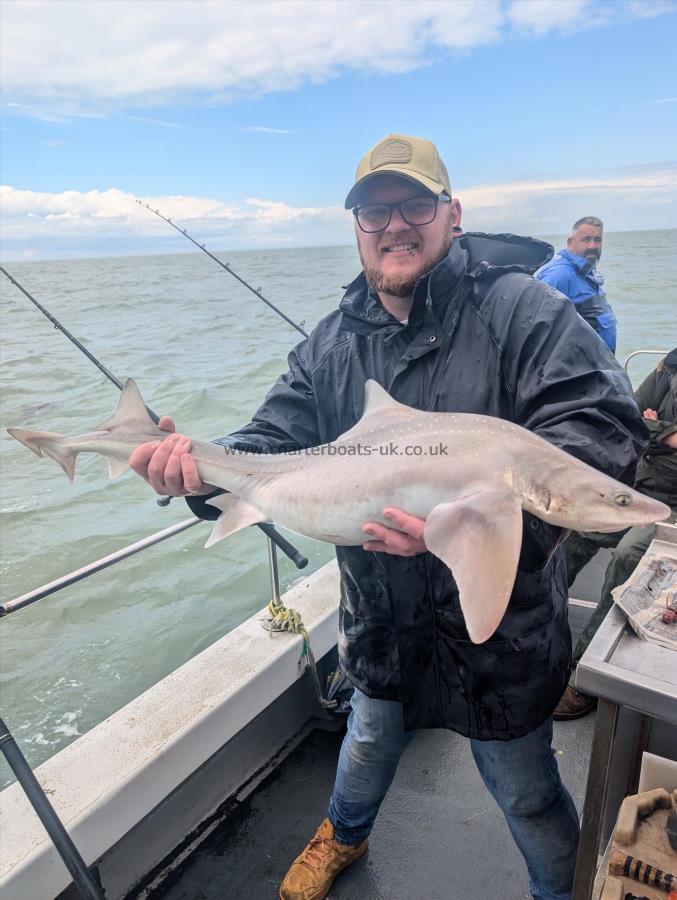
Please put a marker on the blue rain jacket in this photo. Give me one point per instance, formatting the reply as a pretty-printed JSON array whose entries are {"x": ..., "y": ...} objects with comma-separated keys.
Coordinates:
[{"x": 568, "y": 274}]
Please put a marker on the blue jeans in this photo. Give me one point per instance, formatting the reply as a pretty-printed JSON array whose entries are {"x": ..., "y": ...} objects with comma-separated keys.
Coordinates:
[{"x": 521, "y": 774}]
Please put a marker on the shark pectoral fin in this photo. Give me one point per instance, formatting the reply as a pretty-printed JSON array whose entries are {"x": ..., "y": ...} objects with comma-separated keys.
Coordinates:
[
  {"x": 236, "y": 514},
  {"x": 479, "y": 538}
]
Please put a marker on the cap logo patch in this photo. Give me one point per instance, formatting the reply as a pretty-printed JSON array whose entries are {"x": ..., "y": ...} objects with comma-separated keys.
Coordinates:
[{"x": 389, "y": 152}]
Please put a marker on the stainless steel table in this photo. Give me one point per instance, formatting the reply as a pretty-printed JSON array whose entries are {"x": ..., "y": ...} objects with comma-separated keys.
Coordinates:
[{"x": 624, "y": 672}]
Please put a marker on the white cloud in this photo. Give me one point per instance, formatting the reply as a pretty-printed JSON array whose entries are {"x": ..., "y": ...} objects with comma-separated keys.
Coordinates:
[
  {"x": 150, "y": 53},
  {"x": 119, "y": 210},
  {"x": 145, "y": 120},
  {"x": 540, "y": 16},
  {"x": 67, "y": 110},
  {"x": 74, "y": 223},
  {"x": 263, "y": 129},
  {"x": 537, "y": 17},
  {"x": 640, "y": 199},
  {"x": 112, "y": 218}
]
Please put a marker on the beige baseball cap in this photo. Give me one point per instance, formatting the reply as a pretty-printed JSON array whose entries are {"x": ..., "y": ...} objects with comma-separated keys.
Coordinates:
[{"x": 411, "y": 157}]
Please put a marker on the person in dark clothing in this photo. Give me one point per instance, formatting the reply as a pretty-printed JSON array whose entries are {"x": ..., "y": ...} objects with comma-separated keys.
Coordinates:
[
  {"x": 657, "y": 477},
  {"x": 444, "y": 322}
]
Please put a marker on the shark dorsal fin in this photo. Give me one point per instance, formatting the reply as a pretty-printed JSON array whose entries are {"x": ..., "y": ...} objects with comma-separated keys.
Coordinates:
[
  {"x": 130, "y": 408},
  {"x": 377, "y": 398}
]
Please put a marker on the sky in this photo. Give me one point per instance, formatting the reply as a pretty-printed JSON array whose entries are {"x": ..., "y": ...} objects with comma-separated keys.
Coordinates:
[{"x": 244, "y": 122}]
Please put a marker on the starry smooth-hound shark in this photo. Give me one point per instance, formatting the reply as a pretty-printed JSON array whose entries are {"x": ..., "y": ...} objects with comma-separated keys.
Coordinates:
[{"x": 469, "y": 476}]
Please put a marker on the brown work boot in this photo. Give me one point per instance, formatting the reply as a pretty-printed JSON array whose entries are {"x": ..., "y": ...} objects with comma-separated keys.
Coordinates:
[
  {"x": 573, "y": 705},
  {"x": 312, "y": 873}
]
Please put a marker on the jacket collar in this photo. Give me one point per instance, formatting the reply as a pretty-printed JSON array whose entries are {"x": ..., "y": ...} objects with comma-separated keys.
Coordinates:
[
  {"x": 363, "y": 311},
  {"x": 578, "y": 261}
]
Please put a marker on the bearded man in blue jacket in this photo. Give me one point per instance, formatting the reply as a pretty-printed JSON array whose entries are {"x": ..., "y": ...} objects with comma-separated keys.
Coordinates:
[
  {"x": 573, "y": 273},
  {"x": 455, "y": 323}
]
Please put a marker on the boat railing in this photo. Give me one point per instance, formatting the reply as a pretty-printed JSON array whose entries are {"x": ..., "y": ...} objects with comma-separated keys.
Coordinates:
[
  {"x": 87, "y": 880},
  {"x": 104, "y": 562},
  {"x": 643, "y": 353}
]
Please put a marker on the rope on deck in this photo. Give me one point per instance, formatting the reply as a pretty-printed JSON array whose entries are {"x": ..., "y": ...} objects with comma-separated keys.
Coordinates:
[{"x": 284, "y": 619}]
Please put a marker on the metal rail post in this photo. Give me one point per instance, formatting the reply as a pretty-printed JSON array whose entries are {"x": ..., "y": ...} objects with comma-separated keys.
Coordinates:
[
  {"x": 82, "y": 877},
  {"x": 274, "y": 573}
]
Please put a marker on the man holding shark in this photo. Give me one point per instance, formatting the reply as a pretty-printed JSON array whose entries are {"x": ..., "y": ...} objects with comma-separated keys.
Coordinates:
[{"x": 451, "y": 324}]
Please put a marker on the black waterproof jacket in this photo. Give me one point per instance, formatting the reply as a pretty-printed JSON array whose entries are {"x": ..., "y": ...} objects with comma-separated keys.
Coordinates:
[
  {"x": 657, "y": 468},
  {"x": 481, "y": 338}
]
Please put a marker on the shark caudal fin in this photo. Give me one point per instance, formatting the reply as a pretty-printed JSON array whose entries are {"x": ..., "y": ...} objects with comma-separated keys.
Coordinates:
[
  {"x": 479, "y": 538},
  {"x": 48, "y": 443},
  {"x": 236, "y": 513}
]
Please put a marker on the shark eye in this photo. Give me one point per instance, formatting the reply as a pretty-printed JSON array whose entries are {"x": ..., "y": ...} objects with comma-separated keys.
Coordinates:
[{"x": 623, "y": 499}]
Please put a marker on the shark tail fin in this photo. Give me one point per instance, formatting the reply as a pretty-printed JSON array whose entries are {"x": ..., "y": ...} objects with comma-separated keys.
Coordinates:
[{"x": 48, "y": 443}]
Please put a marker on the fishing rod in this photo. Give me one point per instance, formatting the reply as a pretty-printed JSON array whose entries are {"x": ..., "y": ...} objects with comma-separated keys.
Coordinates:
[
  {"x": 226, "y": 266},
  {"x": 55, "y": 322},
  {"x": 288, "y": 549}
]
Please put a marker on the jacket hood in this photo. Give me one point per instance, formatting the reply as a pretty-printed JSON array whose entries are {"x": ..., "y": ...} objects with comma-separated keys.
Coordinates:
[
  {"x": 475, "y": 254},
  {"x": 491, "y": 255},
  {"x": 670, "y": 361}
]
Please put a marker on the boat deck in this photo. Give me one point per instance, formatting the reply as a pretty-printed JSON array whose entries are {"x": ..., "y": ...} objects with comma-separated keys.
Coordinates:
[{"x": 439, "y": 834}]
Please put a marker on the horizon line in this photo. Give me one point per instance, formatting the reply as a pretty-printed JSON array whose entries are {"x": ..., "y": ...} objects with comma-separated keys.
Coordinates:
[{"x": 134, "y": 255}]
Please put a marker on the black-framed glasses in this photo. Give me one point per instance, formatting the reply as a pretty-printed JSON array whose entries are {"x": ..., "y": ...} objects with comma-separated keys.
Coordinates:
[{"x": 415, "y": 211}]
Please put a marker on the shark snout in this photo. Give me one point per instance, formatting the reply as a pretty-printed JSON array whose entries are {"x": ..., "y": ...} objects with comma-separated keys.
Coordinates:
[
  {"x": 606, "y": 507},
  {"x": 628, "y": 508}
]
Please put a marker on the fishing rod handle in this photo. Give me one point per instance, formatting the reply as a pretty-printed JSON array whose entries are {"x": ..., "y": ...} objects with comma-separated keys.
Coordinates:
[
  {"x": 299, "y": 560},
  {"x": 161, "y": 501}
]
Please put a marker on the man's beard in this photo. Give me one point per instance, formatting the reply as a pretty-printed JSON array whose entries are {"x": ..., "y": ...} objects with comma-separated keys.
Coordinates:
[{"x": 396, "y": 284}]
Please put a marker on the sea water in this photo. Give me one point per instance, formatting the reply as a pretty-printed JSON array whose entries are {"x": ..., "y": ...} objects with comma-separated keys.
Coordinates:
[{"x": 204, "y": 350}]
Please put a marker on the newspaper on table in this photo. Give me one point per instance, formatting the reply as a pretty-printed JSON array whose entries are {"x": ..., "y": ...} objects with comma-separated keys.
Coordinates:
[{"x": 644, "y": 597}]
